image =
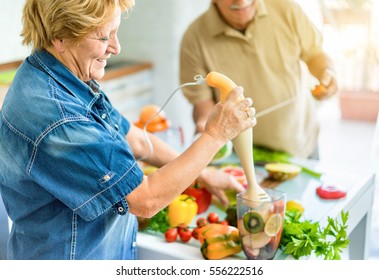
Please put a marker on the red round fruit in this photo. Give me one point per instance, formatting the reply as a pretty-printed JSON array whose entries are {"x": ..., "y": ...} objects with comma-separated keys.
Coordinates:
[
  {"x": 213, "y": 217},
  {"x": 185, "y": 235},
  {"x": 200, "y": 222},
  {"x": 196, "y": 232},
  {"x": 182, "y": 227},
  {"x": 224, "y": 222},
  {"x": 171, "y": 234}
]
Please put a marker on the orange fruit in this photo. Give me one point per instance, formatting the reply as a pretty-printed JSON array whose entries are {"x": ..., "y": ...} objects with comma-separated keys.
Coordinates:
[
  {"x": 158, "y": 123},
  {"x": 317, "y": 90}
]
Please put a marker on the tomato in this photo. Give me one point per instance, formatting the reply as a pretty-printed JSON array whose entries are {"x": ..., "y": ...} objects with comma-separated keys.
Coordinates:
[
  {"x": 196, "y": 232},
  {"x": 182, "y": 227},
  {"x": 200, "y": 222},
  {"x": 171, "y": 234},
  {"x": 185, "y": 235},
  {"x": 224, "y": 222},
  {"x": 213, "y": 217}
]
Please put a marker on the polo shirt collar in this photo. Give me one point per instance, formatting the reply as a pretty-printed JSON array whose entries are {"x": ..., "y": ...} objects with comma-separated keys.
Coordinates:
[{"x": 216, "y": 25}]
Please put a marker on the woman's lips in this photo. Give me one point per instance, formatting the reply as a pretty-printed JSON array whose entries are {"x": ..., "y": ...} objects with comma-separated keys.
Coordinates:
[{"x": 102, "y": 62}]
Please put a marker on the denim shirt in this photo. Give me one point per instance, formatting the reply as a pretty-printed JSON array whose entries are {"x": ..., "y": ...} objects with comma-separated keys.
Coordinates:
[{"x": 65, "y": 167}]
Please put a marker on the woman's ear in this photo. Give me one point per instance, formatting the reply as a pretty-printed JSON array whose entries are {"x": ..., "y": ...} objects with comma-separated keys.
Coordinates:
[{"x": 58, "y": 45}]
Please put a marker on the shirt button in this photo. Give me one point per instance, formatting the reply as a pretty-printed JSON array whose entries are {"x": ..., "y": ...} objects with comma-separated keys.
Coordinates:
[
  {"x": 134, "y": 244},
  {"x": 120, "y": 209},
  {"x": 106, "y": 178},
  {"x": 103, "y": 116},
  {"x": 116, "y": 126}
]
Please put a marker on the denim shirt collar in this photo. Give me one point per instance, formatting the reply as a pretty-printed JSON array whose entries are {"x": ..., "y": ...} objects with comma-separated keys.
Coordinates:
[{"x": 88, "y": 92}]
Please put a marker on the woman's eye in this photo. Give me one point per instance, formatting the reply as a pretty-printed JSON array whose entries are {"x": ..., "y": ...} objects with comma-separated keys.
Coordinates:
[{"x": 104, "y": 39}]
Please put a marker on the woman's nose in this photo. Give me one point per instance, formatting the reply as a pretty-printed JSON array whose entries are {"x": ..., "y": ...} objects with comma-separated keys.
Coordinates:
[{"x": 114, "y": 46}]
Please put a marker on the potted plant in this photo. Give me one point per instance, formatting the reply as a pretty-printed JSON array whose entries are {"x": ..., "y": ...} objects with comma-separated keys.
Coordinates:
[{"x": 357, "y": 61}]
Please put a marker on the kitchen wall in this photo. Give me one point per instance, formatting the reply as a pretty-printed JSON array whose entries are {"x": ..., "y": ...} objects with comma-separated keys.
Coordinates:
[
  {"x": 153, "y": 33},
  {"x": 11, "y": 48}
]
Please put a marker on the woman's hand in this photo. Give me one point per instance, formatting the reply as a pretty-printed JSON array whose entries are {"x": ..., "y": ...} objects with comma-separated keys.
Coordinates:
[
  {"x": 231, "y": 116},
  {"x": 217, "y": 182}
]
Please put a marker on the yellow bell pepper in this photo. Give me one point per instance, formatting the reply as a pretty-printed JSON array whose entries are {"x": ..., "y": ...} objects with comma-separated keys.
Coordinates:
[{"x": 182, "y": 210}]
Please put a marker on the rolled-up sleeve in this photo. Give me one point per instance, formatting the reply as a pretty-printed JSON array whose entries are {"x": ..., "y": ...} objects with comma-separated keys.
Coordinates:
[{"x": 87, "y": 165}]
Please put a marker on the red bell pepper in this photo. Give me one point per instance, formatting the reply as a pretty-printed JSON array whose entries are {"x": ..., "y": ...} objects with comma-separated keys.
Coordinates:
[{"x": 202, "y": 197}]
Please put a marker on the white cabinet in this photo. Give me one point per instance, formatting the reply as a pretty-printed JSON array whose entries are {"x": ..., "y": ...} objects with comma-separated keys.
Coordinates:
[{"x": 129, "y": 87}]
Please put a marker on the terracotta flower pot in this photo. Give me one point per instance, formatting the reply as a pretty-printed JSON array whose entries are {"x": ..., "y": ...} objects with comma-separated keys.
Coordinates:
[{"x": 359, "y": 105}]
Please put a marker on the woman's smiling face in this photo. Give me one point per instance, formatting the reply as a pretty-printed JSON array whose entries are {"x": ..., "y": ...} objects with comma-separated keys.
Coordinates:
[{"x": 88, "y": 58}]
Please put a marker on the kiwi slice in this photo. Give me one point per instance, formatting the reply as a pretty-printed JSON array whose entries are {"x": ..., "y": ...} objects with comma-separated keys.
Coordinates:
[{"x": 253, "y": 222}]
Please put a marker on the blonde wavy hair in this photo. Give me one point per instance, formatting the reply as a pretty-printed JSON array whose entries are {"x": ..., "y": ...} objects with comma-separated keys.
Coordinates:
[{"x": 45, "y": 20}]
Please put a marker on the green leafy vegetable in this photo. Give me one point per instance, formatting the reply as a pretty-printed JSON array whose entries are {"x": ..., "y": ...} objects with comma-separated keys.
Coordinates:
[
  {"x": 267, "y": 155},
  {"x": 302, "y": 237},
  {"x": 159, "y": 222}
]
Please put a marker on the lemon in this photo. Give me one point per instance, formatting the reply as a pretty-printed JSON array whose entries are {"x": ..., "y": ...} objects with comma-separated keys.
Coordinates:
[
  {"x": 294, "y": 205},
  {"x": 273, "y": 225},
  {"x": 148, "y": 169}
]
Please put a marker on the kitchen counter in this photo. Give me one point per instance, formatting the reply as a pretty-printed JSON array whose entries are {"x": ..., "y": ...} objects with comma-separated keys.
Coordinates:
[
  {"x": 123, "y": 68},
  {"x": 358, "y": 202}
]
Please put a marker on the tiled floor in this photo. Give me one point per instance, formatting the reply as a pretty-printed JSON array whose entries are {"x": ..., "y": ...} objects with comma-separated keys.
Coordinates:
[{"x": 353, "y": 143}]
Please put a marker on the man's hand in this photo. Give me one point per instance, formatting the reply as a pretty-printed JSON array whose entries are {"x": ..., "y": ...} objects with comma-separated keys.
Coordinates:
[{"x": 327, "y": 87}]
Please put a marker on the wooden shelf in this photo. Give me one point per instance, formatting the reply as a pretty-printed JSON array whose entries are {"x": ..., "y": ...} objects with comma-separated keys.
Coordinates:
[
  {"x": 124, "y": 68},
  {"x": 10, "y": 65}
]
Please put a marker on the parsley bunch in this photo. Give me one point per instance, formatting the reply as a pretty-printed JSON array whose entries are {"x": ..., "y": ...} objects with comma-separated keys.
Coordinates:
[
  {"x": 159, "y": 222},
  {"x": 302, "y": 237}
]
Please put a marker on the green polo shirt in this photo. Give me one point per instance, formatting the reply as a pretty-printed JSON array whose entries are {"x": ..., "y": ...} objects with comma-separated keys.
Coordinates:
[{"x": 268, "y": 61}]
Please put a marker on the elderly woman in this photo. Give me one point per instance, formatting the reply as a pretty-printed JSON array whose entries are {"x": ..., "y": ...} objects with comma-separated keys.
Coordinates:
[{"x": 68, "y": 171}]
